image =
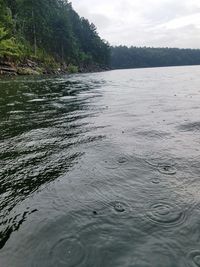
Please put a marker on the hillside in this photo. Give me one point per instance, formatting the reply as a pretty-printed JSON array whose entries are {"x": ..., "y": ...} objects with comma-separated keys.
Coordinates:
[{"x": 48, "y": 34}]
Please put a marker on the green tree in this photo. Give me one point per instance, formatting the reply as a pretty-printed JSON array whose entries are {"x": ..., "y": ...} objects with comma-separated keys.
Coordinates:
[{"x": 53, "y": 27}]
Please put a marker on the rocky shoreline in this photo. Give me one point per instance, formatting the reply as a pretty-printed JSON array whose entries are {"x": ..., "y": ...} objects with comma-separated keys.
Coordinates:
[{"x": 30, "y": 67}]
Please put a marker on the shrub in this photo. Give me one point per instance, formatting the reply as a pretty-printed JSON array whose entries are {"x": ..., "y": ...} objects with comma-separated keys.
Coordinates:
[{"x": 72, "y": 69}]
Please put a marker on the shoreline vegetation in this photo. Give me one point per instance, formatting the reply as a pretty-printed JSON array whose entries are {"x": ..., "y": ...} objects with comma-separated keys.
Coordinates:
[
  {"x": 29, "y": 67},
  {"x": 48, "y": 37}
]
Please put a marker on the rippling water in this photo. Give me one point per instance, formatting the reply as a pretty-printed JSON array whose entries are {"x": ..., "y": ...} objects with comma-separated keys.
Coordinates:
[{"x": 101, "y": 170}]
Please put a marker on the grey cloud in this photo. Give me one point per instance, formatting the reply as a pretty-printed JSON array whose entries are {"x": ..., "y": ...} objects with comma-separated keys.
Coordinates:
[
  {"x": 100, "y": 21},
  {"x": 144, "y": 22}
]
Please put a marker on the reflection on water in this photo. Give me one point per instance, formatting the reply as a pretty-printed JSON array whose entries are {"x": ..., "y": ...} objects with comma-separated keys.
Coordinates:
[
  {"x": 101, "y": 169},
  {"x": 40, "y": 130}
]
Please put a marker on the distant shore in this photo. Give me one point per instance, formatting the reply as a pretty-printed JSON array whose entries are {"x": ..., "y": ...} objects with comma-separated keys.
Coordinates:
[{"x": 30, "y": 67}]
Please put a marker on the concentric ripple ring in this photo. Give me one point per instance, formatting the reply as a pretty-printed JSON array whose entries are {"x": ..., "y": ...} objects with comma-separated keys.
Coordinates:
[
  {"x": 68, "y": 251},
  {"x": 165, "y": 214}
]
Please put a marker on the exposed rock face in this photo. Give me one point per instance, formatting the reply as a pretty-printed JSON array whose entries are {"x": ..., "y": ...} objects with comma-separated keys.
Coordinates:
[
  {"x": 7, "y": 68},
  {"x": 29, "y": 67},
  {"x": 27, "y": 71}
]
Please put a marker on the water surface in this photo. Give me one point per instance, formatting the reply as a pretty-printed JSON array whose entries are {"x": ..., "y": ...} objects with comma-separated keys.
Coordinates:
[{"x": 101, "y": 170}]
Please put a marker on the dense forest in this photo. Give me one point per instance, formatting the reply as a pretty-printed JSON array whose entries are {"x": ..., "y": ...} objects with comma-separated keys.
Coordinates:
[
  {"x": 49, "y": 31},
  {"x": 123, "y": 57}
]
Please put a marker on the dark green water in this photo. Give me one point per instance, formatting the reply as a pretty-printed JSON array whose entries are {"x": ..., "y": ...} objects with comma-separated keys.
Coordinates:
[{"x": 101, "y": 170}]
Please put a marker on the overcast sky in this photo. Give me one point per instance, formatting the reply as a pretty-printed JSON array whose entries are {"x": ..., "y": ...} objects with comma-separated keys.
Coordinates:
[{"x": 172, "y": 23}]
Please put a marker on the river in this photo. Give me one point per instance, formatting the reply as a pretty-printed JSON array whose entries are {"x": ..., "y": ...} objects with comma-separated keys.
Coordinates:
[{"x": 101, "y": 170}]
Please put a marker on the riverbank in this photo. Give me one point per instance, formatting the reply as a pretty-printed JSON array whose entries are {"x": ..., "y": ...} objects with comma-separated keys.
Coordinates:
[{"x": 30, "y": 67}]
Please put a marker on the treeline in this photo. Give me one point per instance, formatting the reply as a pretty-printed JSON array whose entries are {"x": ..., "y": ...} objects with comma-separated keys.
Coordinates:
[
  {"x": 123, "y": 57},
  {"x": 49, "y": 30}
]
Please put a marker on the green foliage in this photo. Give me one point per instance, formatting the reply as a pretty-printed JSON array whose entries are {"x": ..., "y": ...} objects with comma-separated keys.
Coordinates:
[
  {"x": 3, "y": 34},
  {"x": 123, "y": 57},
  {"x": 5, "y": 16},
  {"x": 72, "y": 69},
  {"x": 50, "y": 31},
  {"x": 9, "y": 46}
]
